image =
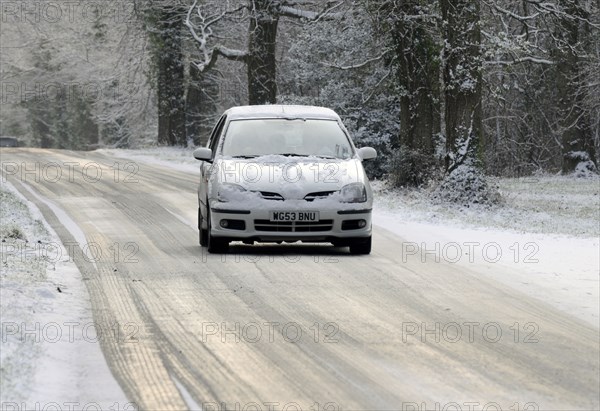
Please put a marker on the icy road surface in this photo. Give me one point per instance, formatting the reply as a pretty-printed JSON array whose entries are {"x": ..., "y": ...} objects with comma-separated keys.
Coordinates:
[{"x": 295, "y": 326}]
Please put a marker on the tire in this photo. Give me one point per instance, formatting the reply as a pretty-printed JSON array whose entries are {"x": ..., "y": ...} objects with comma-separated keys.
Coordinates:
[
  {"x": 203, "y": 232},
  {"x": 215, "y": 245},
  {"x": 360, "y": 246}
]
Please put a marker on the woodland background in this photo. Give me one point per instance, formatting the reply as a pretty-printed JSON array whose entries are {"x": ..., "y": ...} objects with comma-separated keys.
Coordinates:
[{"x": 447, "y": 91}]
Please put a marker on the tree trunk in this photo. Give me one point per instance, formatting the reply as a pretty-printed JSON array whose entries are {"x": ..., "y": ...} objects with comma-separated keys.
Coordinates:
[
  {"x": 170, "y": 80},
  {"x": 201, "y": 105},
  {"x": 40, "y": 129},
  {"x": 417, "y": 70},
  {"x": 417, "y": 75},
  {"x": 463, "y": 81},
  {"x": 261, "y": 62}
]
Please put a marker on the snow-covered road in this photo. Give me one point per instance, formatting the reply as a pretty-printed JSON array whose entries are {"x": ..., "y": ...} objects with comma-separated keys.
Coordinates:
[{"x": 302, "y": 327}]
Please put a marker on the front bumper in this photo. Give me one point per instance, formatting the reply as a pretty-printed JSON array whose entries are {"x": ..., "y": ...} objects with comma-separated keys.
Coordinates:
[{"x": 255, "y": 225}]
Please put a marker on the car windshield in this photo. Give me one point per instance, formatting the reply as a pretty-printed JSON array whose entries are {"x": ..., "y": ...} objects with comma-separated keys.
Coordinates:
[{"x": 297, "y": 137}]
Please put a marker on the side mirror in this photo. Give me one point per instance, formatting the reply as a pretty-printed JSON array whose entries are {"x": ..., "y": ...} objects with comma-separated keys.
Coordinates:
[
  {"x": 203, "y": 154},
  {"x": 367, "y": 153}
]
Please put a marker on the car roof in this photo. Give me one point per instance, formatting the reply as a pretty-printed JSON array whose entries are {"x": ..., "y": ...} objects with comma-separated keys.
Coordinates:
[{"x": 281, "y": 111}]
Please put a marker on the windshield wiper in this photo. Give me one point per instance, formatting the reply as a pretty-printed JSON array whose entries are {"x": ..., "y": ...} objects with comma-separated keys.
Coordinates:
[
  {"x": 292, "y": 155},
  {"x": 306, "y": 155},
  {"x": 247, "y": 156}
]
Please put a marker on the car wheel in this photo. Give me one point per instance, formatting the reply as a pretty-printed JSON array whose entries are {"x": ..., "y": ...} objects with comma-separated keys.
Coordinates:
[
  {"x": 360, "y": 246},
  {"x": 203, "y": 231},
  {"x": 215, "y": 244}
]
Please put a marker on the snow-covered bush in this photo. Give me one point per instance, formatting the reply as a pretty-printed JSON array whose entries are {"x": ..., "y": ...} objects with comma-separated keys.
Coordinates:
[
  {"x": 585, "y": 167},
  {"x": 466, "y": 185}
]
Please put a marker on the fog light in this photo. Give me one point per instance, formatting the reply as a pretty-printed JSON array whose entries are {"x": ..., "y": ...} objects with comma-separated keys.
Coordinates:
[
  {"x": 224, "y": 223},
  {"x": 362, "y": 223}
]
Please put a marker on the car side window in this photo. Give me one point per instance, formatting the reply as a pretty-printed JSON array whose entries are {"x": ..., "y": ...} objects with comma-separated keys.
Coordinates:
[{"x": 214, "y": 138}]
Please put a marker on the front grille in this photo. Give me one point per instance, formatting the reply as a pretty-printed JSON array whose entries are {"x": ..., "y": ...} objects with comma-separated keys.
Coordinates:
[
  {"x": 293, "y": 226},
  {"x": 271, "y": 196},
  {"x": 318, "y": 195},
  {"x": 267, "y": 195}
]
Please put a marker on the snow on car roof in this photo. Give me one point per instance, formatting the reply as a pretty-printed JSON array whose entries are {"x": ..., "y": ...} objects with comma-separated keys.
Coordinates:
[{"x": 281, "y": 111}]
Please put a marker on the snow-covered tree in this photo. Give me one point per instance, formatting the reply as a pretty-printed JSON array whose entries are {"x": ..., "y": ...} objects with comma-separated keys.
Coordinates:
[
  {"x": 540, "y": 57},
  {"x": 413, "y": 32},
  {"x": 259, "y": 55},
  {"x": 344, "y": 64}
]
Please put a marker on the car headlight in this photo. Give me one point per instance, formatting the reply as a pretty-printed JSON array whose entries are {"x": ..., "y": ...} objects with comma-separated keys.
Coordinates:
[
  {"x": 353, "y": 193},
  {"x": 230, "y": 192}
]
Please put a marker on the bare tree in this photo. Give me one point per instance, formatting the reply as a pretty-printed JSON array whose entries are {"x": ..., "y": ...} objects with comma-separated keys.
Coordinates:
[
  {"x": 259, "y": 57},
  {"x": 164, "y": 21}
]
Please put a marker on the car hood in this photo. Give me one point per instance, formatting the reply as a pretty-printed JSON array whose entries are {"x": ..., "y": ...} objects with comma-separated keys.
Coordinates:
[{"x": 291, "y": 177}]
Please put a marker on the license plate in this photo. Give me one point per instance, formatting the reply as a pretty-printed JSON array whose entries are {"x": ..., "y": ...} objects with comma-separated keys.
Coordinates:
[{"x": 282, "y": 216}]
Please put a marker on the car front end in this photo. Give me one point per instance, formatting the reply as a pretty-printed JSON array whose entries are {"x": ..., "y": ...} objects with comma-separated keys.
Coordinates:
[{"x": 264, "y": 200}]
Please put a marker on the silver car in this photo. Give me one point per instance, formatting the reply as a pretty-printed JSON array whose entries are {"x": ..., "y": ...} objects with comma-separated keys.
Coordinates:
[{"x": 283, "y": 173}]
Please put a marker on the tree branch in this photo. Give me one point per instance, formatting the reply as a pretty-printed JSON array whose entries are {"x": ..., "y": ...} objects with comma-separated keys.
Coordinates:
[
  {"x": 210, "y": 55},
  {"x": 289, "y": 11},
  {"x": 526, "y": 59},
  {"x": 359, "y": 65}
]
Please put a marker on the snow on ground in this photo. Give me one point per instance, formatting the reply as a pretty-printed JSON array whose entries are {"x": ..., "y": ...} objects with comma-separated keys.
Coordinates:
[
  {"x": 50, "y": 357},
  {"x": 178, "y": 158},
  {"x": 543, "y": 239},
  {"x": 560, "y": 270}
]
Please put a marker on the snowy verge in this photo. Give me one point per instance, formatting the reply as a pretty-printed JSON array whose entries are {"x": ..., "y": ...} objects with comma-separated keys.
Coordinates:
[
  {"x": 546, "y": 204},
  {"x": 50, "y": 355}
]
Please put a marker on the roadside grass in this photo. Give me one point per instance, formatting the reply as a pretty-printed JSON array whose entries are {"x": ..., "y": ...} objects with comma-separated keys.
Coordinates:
[
  {"x": 547, "y": 204},
  {"x": 22, "y": 278}
]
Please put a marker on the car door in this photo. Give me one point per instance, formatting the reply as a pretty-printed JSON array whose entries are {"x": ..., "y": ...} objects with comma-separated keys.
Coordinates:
[{"x": 206, "y": 167}]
